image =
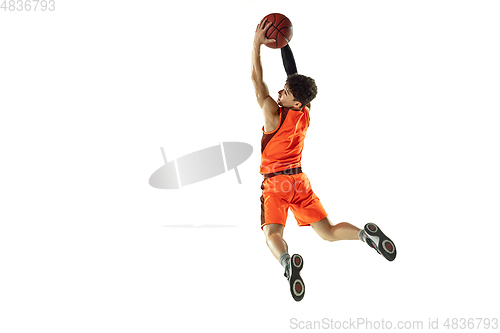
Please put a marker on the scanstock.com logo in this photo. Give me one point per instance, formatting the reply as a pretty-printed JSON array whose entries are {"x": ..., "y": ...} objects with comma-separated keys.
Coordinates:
[{"x": 201, "y": 165}]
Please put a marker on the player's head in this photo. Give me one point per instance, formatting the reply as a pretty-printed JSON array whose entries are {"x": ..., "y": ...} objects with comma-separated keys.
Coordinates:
[{"x": 299, "y": 90}]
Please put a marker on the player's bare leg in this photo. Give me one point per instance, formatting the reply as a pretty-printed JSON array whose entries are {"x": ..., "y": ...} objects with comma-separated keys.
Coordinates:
[
  {"x": 274, "y": 239},
  {"x": 342, "y": 231},
  {"x": 370, "y": 234},
  {"x": 293, "y": 265}
]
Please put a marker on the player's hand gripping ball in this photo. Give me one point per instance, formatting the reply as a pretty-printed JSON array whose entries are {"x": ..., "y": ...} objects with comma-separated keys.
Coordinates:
[{"x": 281, "y": 30}]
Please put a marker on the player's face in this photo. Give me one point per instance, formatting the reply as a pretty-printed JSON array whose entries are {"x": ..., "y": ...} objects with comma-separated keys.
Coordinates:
[{"x": 286, "y": 99}]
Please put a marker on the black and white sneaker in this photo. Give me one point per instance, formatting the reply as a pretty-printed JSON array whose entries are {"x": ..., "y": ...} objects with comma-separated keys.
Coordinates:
[
  {"x": 292, "y": 273},
  {"x": 374, "y": 237}
]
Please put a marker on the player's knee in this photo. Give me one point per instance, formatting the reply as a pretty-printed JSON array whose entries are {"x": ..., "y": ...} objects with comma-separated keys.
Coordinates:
[
  {"x": 270, "y": 236},
  {"x": 273, "y": 230}
]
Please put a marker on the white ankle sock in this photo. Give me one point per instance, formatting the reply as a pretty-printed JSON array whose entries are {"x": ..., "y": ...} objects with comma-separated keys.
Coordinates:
[
  {"x": 283, "y": 259},
  {"x": 362, "y": 235}
]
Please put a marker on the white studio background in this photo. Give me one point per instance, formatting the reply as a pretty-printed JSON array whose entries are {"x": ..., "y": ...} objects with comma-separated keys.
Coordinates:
[{"x": 404, "y": 133}]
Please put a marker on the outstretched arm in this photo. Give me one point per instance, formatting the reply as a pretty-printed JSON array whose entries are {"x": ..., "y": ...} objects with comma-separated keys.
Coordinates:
[
  {"x": 267, "y": 103},
  {"x": 261, "y": 90}
]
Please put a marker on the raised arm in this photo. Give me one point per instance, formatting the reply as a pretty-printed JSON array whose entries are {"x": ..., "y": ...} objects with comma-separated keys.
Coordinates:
[{"x": 267, "y": 103}]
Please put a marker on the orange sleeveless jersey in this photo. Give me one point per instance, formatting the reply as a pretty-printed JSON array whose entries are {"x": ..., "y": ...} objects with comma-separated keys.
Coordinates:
[{"x": 282, "y": 148}]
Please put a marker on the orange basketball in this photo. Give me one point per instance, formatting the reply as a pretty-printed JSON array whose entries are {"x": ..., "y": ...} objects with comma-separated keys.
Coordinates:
[{"x": 281, "y": 30}]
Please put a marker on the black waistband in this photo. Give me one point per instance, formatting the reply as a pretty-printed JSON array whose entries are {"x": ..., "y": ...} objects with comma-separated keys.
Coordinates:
[{"x": 292, "y": 171}]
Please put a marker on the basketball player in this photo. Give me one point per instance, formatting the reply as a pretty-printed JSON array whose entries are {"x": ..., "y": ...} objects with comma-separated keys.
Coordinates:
[{"x": 286, "y": 121}]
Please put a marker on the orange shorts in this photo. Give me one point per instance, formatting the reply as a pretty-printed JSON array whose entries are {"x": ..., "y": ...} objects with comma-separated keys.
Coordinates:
[{"x": 290, "y": 191}]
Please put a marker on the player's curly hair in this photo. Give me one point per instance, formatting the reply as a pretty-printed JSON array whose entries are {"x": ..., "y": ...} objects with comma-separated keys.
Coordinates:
[{"x": 302, "y": 87}]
